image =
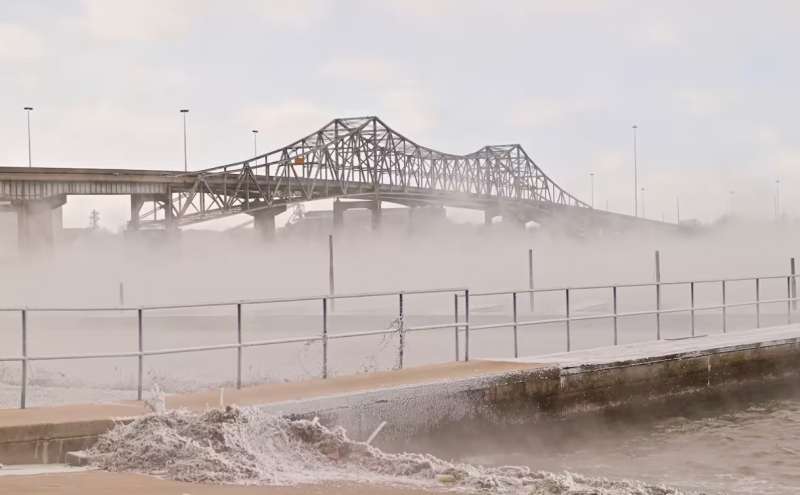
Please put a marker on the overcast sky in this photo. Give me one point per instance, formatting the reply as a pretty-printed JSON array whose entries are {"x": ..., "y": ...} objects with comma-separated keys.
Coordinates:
[{"x": 712, "y": 86}]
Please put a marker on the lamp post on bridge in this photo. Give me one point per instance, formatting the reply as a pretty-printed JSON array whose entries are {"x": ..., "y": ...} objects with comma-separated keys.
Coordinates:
[
  {"x": 591, "y": 178},
  {"x": 255, "y": 142},
  {"x": 644, "y": 215},
  {"x": 28, "y": 111},
  {"x": 635, "y": 176},
  {"x": 777, "y": 199},
  {"x": 184, "y": 111}
]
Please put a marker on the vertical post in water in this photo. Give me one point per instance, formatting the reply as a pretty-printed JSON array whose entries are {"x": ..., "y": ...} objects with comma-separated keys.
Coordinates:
[
  {"x": 724, "y": 308},
  {"x": 794, "y": 284},
  {"x": 466, "y": 324},
  {"x": 691, "y": 297},
  {"x": 614, "y": 308},
  {"x": 455, "y": 320},
  {"x": 566, "y": 297},
  {"x": 239, "y": 348},
  {"x": 658, "y": 295},
  {"x": 530, "y": 277},
  {"x": 514, "y": 310},
  {"x": 331, "y": 285},
  {"x": 141, "y": 356},
  {"x": 24, "y": 384},
  {"x": 758, "y": 303},
  {"x": 402, "y": 330},
  {"x": 324, "y": 337}
]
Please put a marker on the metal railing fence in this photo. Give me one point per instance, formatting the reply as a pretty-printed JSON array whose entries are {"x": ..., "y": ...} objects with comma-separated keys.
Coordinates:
[{"x": 460, "y": 324}]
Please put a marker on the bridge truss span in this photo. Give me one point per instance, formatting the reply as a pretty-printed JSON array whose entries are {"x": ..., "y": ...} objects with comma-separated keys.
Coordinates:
[{"x": 358, "y": 157}]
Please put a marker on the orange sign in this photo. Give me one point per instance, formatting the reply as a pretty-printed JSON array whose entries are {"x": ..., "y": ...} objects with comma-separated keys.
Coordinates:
[{"x": 300, "y": 160}]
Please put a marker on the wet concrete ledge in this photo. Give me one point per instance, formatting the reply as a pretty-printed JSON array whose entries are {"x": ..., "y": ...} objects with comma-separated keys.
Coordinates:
[{"x": 426, "y": 400}]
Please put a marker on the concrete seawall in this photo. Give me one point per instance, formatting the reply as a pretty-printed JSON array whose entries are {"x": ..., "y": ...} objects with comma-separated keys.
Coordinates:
[{"x": 427, "y": 400}]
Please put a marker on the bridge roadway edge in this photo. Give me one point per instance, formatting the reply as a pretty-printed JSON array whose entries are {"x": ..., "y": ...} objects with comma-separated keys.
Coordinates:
[{"x": 419, "y": 401}]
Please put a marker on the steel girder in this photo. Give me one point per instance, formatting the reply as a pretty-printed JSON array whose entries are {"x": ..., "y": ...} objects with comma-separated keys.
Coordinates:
[{"x": 354, "y": 156}]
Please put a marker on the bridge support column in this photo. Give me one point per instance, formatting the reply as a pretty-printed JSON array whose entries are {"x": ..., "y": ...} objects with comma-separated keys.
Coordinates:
[
  {"x": 137, "y": 201},
  {"x": 37, "y": 222},
  {"x": 264, "y": 221},
  {"x": 374, "y": 205},
  {"x": 488, "y": 216}
]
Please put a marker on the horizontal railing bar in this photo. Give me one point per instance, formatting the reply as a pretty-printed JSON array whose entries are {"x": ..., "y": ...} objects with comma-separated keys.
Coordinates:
[
  {"x": 334, "y": 336},
  {"x": 67, "y": 357},
  {"x": 433, "y": 327},
  {"x": 626, "y": 285},
  {"x": 294, "y": 340},
  {"x": 354, "y": 295}
]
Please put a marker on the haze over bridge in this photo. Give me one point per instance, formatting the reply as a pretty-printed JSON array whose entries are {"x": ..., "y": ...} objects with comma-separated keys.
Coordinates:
[{"x": 358, "y": 162}]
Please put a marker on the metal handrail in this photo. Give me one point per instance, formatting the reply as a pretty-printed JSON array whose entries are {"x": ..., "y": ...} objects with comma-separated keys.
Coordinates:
[{"x": 399, "y": 327}]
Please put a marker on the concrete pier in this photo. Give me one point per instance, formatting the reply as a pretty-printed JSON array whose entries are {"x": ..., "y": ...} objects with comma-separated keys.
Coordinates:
[{"x": 430, "y": 399}]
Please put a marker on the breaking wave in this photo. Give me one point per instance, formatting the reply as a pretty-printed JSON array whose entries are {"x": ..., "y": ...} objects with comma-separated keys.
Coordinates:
[{"x": 246, "y": 446}]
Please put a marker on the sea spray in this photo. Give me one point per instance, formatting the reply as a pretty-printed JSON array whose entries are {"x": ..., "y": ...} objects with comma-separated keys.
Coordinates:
[{"x": 246, "y": 446}]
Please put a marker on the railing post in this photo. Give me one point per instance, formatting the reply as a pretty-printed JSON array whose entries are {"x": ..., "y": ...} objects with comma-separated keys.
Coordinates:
[
  {"x": 724, "y": 309},
  {"x": 141, "y": 356},
  {"x": 402, "y": 331},
  {"x": 324, "y": 337},
  {"x": 24, "y": 392},
  {"x": 466, "y": 324},
  {"x": 658, "y": 295},
  {"x": 566, "y": 297},
  {"x": 239, "y": 348},
  {"x": 794, "y": 283},
  {"x": 691, "y": 296},
  {"x": 514, "y": 310},
  {"x": 331, "y": 281},
  {"x": 614, "y": 308},
  {"x": 530, "y": 278},
  {"x": 758, "y": 303},
  {"x": 455, "y": 320},
  {"x": 788, "y": 300}
]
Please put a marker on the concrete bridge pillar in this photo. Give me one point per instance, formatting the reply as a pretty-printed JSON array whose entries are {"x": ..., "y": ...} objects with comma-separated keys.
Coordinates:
[
  {"x": 37, "y": 222},
  {"x": 374, "y": 205},
  {"x": 488, "y": 216},
  {"x": 264, "y": 220}
]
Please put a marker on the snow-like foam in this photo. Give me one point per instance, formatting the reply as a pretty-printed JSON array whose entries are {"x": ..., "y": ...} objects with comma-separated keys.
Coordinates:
[{"x": 246, "y": 446}]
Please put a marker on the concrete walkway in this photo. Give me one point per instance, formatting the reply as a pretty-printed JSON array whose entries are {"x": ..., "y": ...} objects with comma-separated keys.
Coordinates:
[{"x": 104, "y": 483}]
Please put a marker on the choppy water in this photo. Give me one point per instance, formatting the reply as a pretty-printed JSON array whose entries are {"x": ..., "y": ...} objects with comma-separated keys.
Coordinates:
[{"x": 752, "y": 449}]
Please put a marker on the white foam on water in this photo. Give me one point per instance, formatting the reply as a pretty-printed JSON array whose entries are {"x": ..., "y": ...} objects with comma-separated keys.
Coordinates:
[{"x": 246, "y": 446}]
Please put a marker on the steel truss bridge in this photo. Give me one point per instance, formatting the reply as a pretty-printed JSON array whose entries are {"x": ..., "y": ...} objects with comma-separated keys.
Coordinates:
[{"x": 361, "y": 161}]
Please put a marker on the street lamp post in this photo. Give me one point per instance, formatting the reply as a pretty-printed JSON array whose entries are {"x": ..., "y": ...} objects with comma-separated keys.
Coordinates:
[
  {"x": 184, "y": 111},
  {"x": 644, "y": 215},
  {"x": 677, "y": 209},
  {"x": 635, "y": 176},
  {"x": 255, "y": 142},
  {"x": 777, "y": 199},
  {"x": 28, "y": 111},
  {"x": 591, "y": 178}
]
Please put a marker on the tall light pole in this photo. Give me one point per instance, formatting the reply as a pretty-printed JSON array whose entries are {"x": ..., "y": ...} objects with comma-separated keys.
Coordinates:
[
  {"x": 777, "y": 199},
  {"x": 255, "y": 142},
  {"x": 28, "y": 111},
  {"x": 635, "y": 176},
  {"x": 184, "y": 111},
  {"x": 644, "y": 215},
  {"x": 731, "y": 194},
  {"x": 677, "y": 209},
  {"x": 591, "y": 178}
]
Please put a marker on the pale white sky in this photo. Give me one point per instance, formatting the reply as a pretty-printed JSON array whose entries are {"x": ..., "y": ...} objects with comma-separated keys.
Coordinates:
[{"x": 712, "y": 85}]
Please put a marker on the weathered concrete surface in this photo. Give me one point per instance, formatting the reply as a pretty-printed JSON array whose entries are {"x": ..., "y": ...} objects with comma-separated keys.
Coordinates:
[
  {"x": 435, "y": 399},
  {"x": 103, "y": 483},
  {"x": 46, "y": 434}
]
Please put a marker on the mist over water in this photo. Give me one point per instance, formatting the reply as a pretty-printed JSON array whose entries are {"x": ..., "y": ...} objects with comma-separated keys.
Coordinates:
[{"x": 206, "y": 266}]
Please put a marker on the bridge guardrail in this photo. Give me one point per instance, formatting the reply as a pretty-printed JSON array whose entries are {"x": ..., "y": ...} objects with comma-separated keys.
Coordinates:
[{"x": 458, "y": 325}]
